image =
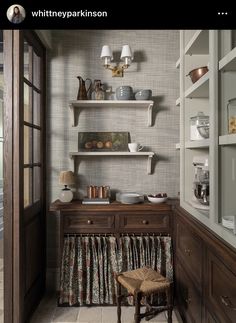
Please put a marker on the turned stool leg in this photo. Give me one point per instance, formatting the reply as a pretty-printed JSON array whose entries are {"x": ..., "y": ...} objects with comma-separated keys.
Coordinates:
[
  {"x": 118, "y": 302},
  {"x": 169, "y": 304},
  {"x": 137, "y": 299}
]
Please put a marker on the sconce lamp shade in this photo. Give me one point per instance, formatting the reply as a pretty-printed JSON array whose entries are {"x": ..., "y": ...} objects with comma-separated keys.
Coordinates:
[
  {"x": 126, "y": 53},
  {"x": 106, "y": 52},
  {"x": 66, "y": 178}
]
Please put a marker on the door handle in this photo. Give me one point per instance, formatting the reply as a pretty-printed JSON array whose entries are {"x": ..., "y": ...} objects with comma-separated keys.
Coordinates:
[{"x": 90, "y": 222}]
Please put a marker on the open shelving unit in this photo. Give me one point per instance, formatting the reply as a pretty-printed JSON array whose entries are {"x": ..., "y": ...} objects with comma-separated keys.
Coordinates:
[
  {"x": 210, "y": 94},
  {"x": 86, "y": 104},
  {"x": 148, "y": 154}
]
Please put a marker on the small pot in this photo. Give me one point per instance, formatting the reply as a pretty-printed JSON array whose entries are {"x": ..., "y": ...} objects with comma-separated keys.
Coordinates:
[{"x": 197, "y": 73}]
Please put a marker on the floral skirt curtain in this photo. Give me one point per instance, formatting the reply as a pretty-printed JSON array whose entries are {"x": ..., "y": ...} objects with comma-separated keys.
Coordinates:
[{"x": 89, "y": 264}]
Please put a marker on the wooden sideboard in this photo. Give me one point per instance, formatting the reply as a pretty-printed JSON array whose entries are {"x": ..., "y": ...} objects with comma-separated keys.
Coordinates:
[{"x": 114, "y": 218}]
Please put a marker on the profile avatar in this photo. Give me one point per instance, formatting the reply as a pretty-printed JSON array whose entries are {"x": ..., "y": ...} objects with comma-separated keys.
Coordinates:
[{"x": 16, "y": 14}]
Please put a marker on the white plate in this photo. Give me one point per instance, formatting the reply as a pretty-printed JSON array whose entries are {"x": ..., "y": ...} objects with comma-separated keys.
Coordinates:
[{"x": 129, "y": 197}]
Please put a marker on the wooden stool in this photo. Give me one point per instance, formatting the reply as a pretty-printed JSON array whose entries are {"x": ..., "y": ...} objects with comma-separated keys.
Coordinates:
[{"x": 141, "y": 283}]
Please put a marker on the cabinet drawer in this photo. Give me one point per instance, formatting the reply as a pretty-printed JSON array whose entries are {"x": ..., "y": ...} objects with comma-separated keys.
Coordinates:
[
  {"x": 189, "y": 249},
  {"x": 88, "y": 222},
  {"x": 221, "y": 289},
  {"x": 189, "y": 300},
  {"x": 141, "y": 222}
]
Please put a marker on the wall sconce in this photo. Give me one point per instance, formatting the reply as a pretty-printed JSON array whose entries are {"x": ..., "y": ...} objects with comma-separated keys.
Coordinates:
[{"x": 126, "y": 56}]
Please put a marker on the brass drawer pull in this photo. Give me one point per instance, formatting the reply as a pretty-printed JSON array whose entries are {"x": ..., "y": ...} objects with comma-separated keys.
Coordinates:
[
  {"x": 187, "y": 251},
  {"x": 90, "y": 222},
  {"x": 145, "y": 222},
  {"x": 227, "y": 302},
  {"x": 188, "y": 300}
]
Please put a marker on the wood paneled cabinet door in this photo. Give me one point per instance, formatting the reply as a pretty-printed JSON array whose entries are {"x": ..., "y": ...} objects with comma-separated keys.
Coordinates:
[{"x": 221, "y": 289}]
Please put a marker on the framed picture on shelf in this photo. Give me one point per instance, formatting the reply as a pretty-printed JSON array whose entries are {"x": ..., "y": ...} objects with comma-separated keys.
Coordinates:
[{"x": 103, "y": 141}]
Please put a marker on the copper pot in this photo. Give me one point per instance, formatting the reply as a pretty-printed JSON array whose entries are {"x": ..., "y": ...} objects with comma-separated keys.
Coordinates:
[{"x": 197, "y": 73}]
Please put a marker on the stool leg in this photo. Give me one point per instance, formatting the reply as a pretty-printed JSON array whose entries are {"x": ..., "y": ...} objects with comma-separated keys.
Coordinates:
[
  {"x": 118, "y": 303},
  {"x": 137, "y": 299},
  {"x": 169, "y": 304}
]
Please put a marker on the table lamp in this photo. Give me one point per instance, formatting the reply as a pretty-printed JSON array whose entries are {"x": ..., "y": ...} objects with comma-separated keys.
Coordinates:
[{"x": 66, "y": 178}]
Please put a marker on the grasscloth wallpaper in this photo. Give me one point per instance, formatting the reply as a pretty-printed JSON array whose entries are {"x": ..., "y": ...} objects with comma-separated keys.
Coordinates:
[{"x": 77, "y": 52}]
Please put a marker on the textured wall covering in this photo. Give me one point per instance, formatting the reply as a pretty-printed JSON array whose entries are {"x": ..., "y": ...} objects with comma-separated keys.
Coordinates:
[{"x": 78, "y": 53}]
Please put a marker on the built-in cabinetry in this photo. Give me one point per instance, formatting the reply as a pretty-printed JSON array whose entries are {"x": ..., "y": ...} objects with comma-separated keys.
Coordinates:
[
  {"x": 205, "y": 273},
  {"x": 76, "y": 106},
  {"x": 210, "y": 95}
]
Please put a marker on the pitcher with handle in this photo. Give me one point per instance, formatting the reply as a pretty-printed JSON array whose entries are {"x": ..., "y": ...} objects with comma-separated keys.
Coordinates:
[{"x": 83, "y": 92}]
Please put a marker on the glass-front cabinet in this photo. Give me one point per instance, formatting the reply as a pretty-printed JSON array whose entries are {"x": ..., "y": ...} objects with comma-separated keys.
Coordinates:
[{"x": 207, "y": 104}]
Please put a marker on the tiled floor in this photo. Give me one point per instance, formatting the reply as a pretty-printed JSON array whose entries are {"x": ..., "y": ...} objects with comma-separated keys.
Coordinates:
[{"x": 48, "y": 312}]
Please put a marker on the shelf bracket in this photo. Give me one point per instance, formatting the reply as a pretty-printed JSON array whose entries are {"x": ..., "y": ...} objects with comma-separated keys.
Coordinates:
[
  {"x": 149, "y": 123},
  {"x": 149, "y": 165},
  {"x": 74, "y": 163},
  {"x": 72, "y": 114}
]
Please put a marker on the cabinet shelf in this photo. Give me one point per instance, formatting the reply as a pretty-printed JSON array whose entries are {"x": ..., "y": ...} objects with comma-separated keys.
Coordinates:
[
  {"x": 148, "y": 154},
  {"x": 228, "y": 62},
  {"x": 200, "y": 89},
  {"x": 177, "y": 64},
  {"x": 227, "y": 139},
  {"x": 84, "y": 104},
  {"x": 197, "y": 144},
  {"x": 198, "y": 44}
]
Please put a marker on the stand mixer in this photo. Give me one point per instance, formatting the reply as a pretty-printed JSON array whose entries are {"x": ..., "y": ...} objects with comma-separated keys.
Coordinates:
[{"x": 201, "y": 186}]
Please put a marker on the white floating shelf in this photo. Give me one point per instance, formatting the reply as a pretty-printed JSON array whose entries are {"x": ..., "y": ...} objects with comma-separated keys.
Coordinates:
[
  {"x": 177, "y": 64},
  {"x": 148, "y": 154},
  {"x": 199, "y": 89},
  {"x": 228, "y": 62},
  {"x": 198, "y": 44},
  {"x": 84, "y": 104},
  {"x": 197, "y": 144},
  {"x": 177, "y": 146},
  {"x": 227, "y": 139},
  {"x": 177, "y": 102}
]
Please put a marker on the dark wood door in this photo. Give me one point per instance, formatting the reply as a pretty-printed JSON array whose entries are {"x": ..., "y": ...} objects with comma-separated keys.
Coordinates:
[{"x": 25, "y": 165}]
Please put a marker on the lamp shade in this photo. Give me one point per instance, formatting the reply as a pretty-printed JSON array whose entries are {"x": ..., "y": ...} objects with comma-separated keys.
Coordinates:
[
  {"x": 106, "y": 52},
  {"x": 126, "y": 52},
  {"x": 66, "y": 178}
]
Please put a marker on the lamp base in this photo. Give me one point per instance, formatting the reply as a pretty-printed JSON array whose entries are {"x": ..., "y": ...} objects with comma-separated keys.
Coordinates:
[{"x": 66, "y": 195}]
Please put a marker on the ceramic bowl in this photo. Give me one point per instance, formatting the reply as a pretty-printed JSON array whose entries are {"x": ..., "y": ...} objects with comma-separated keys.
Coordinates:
[
  {"x": 156, "y": 200},
  {"x": 129, "y": 197},
  {"x": 124, "y": 93},
  {"x": 143, "y": 95}
]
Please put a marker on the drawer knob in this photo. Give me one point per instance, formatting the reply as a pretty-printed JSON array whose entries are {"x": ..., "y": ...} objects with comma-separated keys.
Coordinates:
[
  {"x": 90, "y": 222},
  {"x": 187, "y": 251},
  {"x": 144, "y": 222},
  {"x": 188, "y": 300},
  {"x": 227, "y": 302}
]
